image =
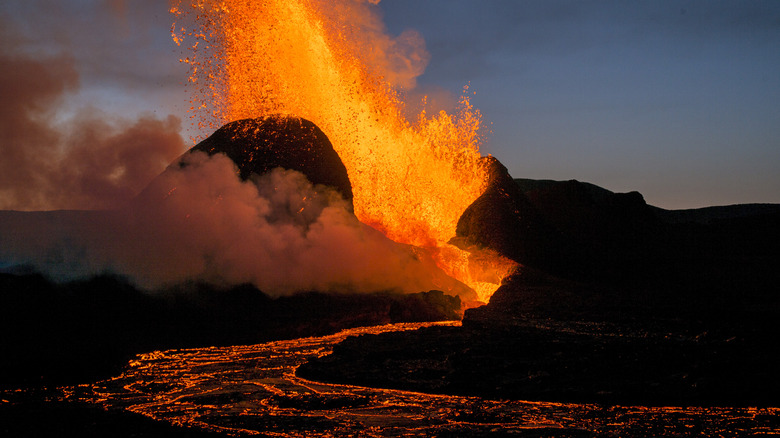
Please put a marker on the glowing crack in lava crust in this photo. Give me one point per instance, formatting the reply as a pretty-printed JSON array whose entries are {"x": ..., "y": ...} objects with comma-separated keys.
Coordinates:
[{"x": 332, "y": 63}]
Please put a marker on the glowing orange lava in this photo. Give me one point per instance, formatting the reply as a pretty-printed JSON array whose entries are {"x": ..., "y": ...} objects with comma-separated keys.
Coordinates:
[{"x": 310, "y": 58}]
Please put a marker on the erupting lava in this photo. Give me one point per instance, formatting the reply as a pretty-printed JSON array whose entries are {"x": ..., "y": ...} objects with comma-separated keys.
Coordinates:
[{"x": 329, "y": 63}]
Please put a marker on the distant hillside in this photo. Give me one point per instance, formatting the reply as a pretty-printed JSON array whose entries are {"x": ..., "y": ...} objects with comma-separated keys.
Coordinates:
[
  {"x": 708, "y": 215},
  {"x": 705, "y": 215},
  {"x": 618, "y": 238},
  {"x": 527, "y": 185}
]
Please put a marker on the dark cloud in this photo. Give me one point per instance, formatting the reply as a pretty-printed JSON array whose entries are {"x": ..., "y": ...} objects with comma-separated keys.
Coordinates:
[
  {"x": 114, "y": 43},
  {"x": 109, "y": 162},
  {"x": 87, "y": 160}
]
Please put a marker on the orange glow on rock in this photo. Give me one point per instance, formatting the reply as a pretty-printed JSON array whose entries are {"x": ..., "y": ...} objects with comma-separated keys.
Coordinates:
[{"x": 411, "y": 180}]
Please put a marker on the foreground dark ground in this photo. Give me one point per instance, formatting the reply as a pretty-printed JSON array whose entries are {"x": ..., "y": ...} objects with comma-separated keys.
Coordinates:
[
  {"x": 614, "y": 355},
  {"x": 81, "y": 332},
  {"x": 56, "y": 334},
  {"x": 31, "y": 415}
]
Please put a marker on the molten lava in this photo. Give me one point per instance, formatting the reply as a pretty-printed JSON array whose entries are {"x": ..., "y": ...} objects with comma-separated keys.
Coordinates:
[{"x": 309, "y": 58}]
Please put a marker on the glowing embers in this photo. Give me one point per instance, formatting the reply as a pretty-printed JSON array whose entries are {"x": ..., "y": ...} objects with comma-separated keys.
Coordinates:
[{"x": 327, "y": 62}]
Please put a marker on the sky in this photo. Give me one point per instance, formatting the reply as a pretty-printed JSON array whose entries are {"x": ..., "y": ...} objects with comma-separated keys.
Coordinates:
[{"x": 679, "y": 100}]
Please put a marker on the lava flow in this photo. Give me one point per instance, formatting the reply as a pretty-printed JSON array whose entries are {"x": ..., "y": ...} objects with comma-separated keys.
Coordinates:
[
  {"x": 332, "y": 63},
  {"x": 253, "y": 390}
]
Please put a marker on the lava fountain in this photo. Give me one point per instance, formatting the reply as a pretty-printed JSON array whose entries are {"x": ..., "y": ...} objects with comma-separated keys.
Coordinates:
[{"x": 332, "y": 63}]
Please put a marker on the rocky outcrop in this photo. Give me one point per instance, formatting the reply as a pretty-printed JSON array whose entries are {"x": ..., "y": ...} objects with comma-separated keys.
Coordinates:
[
  {"x": 503, "y": 219},
  {"x": 262, "y": 144},
  {"x": 566, "y": 228}
]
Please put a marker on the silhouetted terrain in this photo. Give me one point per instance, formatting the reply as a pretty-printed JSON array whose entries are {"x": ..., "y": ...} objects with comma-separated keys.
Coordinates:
[{"x": 618, "y": 301}]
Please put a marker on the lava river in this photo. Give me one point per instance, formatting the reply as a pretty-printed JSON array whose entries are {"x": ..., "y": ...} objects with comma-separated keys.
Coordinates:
[{"x": 253, "y": 390}]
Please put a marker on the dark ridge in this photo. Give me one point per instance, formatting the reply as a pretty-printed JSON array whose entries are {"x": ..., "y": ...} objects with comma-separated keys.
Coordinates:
[
  {"x": 617, "y": 239},
  {"x": 710, "y": 215},
  {"x": 527, "y": 185}
]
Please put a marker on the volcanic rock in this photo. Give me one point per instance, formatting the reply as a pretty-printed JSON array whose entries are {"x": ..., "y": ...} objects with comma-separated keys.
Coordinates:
[
  {"x": 262, "y": 144},
  {"x": 569, "y": 229},
  {"x": 504, "y": 220}
]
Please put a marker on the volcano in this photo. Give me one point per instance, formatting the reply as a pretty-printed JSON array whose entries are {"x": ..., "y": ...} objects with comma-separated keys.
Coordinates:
[
  {"x": 75, "y": 321},
  {"x": 260, "y": 145}
]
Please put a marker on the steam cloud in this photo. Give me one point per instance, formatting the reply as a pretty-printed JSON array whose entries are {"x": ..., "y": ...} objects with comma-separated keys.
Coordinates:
[
  {"x": 199, "y": 221},
  {"x": 87, "y": 160}
]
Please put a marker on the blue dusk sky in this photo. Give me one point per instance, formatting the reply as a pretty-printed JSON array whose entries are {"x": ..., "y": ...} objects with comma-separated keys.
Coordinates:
[{"x": 679, "y": 100}]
